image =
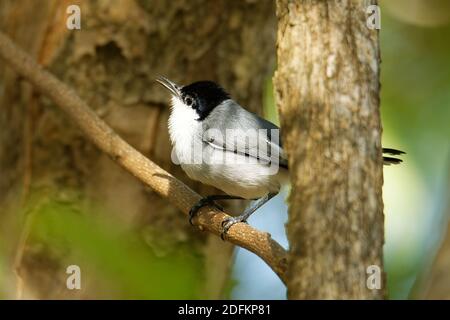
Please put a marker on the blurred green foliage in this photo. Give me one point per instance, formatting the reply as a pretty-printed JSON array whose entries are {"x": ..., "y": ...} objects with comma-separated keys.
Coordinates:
[
  {"x": 269, "y": 107},
  {"x": 117, "y": 255},
  {"x": 2, "y": 277},
  {"x": 415, "y": 108}
]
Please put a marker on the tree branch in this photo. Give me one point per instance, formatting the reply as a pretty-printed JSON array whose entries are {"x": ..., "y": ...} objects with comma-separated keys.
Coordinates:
[{"x": 162, "y": 182}]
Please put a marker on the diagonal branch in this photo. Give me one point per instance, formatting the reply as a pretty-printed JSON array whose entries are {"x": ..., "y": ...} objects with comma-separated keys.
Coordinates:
[{"x": 133, "y": 161}]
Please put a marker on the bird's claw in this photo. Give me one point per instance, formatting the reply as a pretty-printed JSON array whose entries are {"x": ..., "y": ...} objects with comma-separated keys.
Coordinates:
[
  {"x": 200, "y": 204},
  {"x": 227, "y": 223}
]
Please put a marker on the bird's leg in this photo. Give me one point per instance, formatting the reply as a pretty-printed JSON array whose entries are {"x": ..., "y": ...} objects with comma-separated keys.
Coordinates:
[
  {"x": 209, "y": 200},
  {"x": 228, "y": 222}
]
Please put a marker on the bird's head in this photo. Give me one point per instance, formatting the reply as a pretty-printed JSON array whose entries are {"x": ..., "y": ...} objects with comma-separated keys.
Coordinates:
[{"x": 201, "y": 96}]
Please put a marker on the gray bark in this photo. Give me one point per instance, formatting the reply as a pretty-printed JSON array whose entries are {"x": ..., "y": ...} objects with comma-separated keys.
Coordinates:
[{"x": 327, "y": 90}]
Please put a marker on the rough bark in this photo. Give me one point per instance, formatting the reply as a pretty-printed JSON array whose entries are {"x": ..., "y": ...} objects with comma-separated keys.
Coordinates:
[
  {"x": 327, "y": 90},
  {"x": 111, "y": 62}
]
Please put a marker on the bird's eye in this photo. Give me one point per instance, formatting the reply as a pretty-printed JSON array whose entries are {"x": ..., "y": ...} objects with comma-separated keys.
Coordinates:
[{"x": 188, "y": 101}]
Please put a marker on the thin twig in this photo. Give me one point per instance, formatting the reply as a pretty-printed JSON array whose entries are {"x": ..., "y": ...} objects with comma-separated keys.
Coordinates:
[{"x": 148, "y": 172}]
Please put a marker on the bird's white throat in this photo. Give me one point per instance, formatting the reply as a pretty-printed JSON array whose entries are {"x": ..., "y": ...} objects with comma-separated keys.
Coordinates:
[{"x": 184, "y": 128}]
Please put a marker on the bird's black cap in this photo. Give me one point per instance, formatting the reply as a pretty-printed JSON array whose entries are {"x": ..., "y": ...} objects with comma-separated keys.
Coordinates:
[{"x": 206, "y": 96}]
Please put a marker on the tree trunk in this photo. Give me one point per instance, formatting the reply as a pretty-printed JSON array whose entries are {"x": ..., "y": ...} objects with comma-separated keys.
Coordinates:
[
  {"x": 112, "y": 62},
  {"x": 327, "y": 90}
]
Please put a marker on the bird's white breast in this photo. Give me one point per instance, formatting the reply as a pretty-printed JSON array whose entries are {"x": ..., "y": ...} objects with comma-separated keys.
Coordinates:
[{"x": 183, "y": 130}]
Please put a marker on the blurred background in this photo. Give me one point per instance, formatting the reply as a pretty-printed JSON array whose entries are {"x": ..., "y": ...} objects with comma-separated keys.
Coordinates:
[{"x": 124, "y": 254}]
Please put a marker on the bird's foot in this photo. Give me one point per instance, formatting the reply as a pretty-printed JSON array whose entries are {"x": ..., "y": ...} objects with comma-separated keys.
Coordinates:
[
  {"x": 207, "y": 201},
  {"x": 227, "y": 223}
]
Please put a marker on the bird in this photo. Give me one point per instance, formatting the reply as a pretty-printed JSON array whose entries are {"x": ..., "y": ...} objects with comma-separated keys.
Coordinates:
[{"x": 202, "y": 118}]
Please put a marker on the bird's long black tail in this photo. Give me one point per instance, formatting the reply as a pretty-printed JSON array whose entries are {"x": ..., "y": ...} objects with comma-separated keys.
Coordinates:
[{"x": 392, "y": 152}]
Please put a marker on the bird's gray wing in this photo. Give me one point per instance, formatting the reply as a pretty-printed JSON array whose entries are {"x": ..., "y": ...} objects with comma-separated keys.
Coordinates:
[{"x": 232, "y": 128}]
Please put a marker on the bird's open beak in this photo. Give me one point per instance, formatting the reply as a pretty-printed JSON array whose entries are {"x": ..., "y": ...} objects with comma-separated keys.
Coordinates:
[{"x": 169, "y": 85}]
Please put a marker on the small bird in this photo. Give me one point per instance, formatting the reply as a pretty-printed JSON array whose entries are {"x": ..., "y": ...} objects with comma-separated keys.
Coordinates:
[{"x": 203, "y": 116}]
